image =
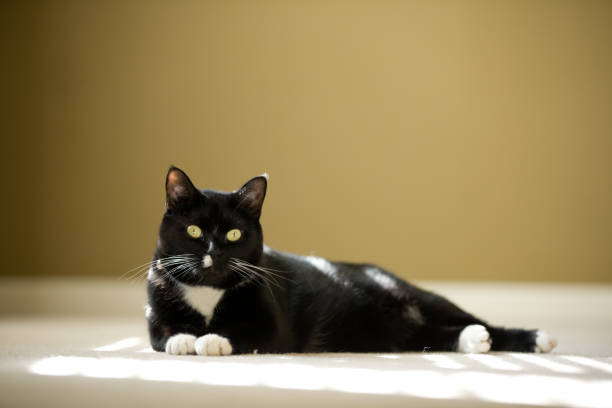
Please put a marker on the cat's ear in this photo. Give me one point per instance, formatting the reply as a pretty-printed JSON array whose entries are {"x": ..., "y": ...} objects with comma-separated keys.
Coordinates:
[
  {"x": 180, "y": 191},
  {"x": 252, "y": 194}
]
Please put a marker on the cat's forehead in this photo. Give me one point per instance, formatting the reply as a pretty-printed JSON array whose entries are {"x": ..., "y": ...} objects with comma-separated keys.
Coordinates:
[{"x": 217, "y": 208}]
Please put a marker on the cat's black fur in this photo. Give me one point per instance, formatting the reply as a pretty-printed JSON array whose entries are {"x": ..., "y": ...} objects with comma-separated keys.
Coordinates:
[{"x": 301, "y": 304}]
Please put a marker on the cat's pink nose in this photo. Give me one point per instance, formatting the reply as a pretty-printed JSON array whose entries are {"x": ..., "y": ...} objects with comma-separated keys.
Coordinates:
[{"x": 207, "y": 261}]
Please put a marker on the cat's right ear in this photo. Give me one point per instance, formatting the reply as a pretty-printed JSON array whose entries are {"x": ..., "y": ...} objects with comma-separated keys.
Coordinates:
[{"x": 180, "y": 191}]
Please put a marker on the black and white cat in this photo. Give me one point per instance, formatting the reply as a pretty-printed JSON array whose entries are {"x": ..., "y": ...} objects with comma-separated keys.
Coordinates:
[{"x": 214, "y": 288}]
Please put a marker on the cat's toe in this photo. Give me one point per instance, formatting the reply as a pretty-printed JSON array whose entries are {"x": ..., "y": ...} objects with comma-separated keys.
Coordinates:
[
  {"x": 474, "y": 339},
  {"x": 544, "y": 342},
  {"x": 181, "y": 344},
  {"x": 213, "y": 345}
]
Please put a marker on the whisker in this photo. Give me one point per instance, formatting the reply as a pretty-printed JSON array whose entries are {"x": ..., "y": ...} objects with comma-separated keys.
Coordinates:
[
  {"x": 263, "y": 276},
  {"x": 266, "y": 281},
  {"x": 248, "y": 273},
  {"x": 262, "y": 271},
  {"x": 136, "y": 271},
  {"x": 269, "y": 271},
  {"x": 169, "y": 262}
]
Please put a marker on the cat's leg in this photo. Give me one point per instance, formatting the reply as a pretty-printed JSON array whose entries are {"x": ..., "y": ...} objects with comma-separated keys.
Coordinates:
[
  {"x": 181, "y": 344},
  {"x": 173, "y": 325},
  {"x": 437, "y": 311},
  {"x": 178, "y": 340},
  {"x": 479, "y": 338},
  {"x": 171, "y": 334},
  {"x": 212, "y": 345},
  {"x": 537, "y": 341},
  {"x": 466, "y": 339}
]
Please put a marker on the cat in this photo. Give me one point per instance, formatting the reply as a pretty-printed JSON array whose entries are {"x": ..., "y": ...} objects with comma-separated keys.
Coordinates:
[{"x": 214, "y": 288}]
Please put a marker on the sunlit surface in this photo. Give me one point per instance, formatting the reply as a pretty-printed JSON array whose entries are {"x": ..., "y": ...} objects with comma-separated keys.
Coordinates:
[
  {"x": 547, "y": 363},
  {"x": 389, "y": 356},
  {"x": 429, "y": 384},
  {"x": 589, "y": 362},
  {"x": 494, "y": 362},
  {"x": 443, "y": 361},
  {"x": 120, "y": 345},
  {"x": 501, "y": 378}
]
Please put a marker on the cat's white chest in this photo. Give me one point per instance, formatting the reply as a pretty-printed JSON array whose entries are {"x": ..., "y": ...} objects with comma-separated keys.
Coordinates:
[{"x": 204, "y": 299}]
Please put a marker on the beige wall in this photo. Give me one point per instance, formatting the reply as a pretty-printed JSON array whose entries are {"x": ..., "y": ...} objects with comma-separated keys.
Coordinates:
[{"x": 440, "y": 139}]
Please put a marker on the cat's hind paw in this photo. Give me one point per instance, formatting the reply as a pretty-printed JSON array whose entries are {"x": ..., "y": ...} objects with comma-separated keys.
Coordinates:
[
  {"x": 213, "y": 345},
  {"x": 474, "y": 339},
  {"x": 544, "y": 342},
  {"x": 181, "y": 344}
]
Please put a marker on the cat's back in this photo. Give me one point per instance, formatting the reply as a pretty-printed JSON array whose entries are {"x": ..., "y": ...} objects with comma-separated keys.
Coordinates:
[{"x": 321, "y": 274}]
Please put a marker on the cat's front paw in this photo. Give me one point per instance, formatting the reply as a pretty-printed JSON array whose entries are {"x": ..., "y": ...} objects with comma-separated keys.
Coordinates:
[
  {"x": 474, "y": 339},
  {"x": 181, "y": 344},
  {"x": 213, "y": 345},
  {"x": 544, "y": 342}
]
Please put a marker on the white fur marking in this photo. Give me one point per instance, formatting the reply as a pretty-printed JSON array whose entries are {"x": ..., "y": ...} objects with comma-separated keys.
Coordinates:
[
  {"x": 213, "y": 345},
  {"x": 204, "y": 299},
  {"x": 180, "y": 344},
  {"x": 474, "y": 339},
  {"x": 159, "y": 265},
  {"x": 155, "y": 278},
  {"x": 148, "y": 312},
  {"x": 544, "y": 342},
  {"x": 380, "y": 278},
  {"x": 207, "y": 261}
]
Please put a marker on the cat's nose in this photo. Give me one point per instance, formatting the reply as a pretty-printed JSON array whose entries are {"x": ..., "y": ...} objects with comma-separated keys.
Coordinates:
[{"x": 207, "y": 261}]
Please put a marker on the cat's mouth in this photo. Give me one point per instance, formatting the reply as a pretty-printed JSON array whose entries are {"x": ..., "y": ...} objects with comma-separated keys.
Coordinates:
[{"x": 211, "y": 271}]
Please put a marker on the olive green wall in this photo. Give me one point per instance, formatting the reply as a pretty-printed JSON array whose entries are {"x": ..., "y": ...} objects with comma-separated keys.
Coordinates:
[{"x": 440, "y": 139}]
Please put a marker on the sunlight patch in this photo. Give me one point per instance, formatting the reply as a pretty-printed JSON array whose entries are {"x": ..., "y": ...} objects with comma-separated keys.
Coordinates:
[
  {"x": 546, "y": 363},
  {"x": 443, "y": 361},
  {"x": 120, "y": 345},
  {"x": 494, "y": 362},
  {"x": 389, "y": 356},
  {"x": 433, "y": 384},
  {"x": 589, "y": 362}
]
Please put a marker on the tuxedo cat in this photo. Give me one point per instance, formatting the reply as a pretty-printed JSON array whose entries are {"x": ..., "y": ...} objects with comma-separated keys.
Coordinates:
[{"x": 214, "y": 288}]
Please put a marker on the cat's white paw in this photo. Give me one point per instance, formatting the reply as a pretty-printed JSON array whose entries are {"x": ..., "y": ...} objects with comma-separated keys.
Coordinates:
[
  {"x": 181, "y": 344},
  {"x": 474, "y": 339},
  {"x": 213, "y": 345},
  {"x": 544, "y": 342}
]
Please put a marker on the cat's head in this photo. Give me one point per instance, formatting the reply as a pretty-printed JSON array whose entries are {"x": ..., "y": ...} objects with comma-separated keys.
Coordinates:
[{"x": 205, "y": 234}]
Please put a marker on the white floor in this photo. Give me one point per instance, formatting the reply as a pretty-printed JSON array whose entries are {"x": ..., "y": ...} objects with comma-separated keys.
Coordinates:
[{"x": 83, "y": 343}]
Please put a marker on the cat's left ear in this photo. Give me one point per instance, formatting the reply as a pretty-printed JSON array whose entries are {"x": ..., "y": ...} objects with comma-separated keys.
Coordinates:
[
  {"x": 252, "y": 194},
  {"x": 180, "y": 191}
]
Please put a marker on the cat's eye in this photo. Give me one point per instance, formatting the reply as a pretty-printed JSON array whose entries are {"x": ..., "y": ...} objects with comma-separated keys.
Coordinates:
[
  {"x": 194, "y": 231},
  {"x": 233, "y": 235}
]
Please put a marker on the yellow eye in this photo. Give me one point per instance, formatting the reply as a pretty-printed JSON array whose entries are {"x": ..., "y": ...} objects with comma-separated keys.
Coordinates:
[
  {"x": 194, "y": 231},
  {"x": 233, "y": 235}
]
